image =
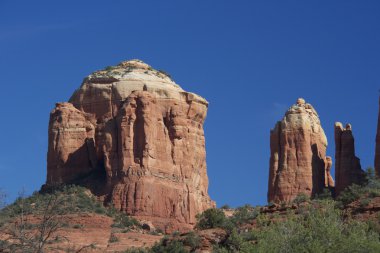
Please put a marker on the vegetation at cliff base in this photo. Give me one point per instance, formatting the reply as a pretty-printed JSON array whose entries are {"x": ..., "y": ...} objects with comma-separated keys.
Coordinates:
[
  {"x": 30, "y": 224},
  {"x": 314, "y": 225}
]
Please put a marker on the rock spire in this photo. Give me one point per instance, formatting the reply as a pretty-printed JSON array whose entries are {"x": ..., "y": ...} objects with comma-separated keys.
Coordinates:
[
  {"x": 347, "y": 166},
  {"x": 298, "y": 162}
]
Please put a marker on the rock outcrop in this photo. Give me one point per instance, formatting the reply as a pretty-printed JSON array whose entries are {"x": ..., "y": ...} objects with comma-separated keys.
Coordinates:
[
  {"x": 136, "y": 139},
  {"x": 298, "y": 155},
  {"x": 377, "y": 149},
  {"x": 347, "y": 166},
  {"x": 329, "y": 181}
]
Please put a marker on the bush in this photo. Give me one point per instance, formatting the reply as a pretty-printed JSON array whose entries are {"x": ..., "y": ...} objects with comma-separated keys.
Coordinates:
[
  {"x": 164, "y": 73},
  {"x": 169, "y": 246},
  {"x": 192, "y": 240},
  {"x": 236, "y": 243},
  {"x": 364, "y": 202},
  {"x": 319, "y": 229},
  {"x": 211, "y": 218},
  {"x": 113, "y": 238},
  {"x": 77, "y": 226},
  {"x": 109, "y": 68},
  {"x": 350, "y": 194},
  {"x": 73, "y": 199},
  {"x": 137, "y": 250},
  {"x": 225, "y": 207},
  {"x": 301, "y": 198},
  {"x": 324, "y": 195},
  {"x": 244, "y": 214},
  {"x": 122, "y": 220}
]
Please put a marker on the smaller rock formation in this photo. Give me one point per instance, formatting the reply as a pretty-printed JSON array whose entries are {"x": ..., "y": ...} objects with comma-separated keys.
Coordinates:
[
  {"x": 298, "y": 162},
  {"x": 71, "y": 151},
  {"x": 329, "y": 181},
  {"x": 347, "y": 166}
]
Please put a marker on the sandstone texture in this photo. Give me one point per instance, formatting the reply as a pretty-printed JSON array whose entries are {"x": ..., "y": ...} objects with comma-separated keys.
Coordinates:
[
  {"x": 329, "y": 181},
  {"x": 347, "y": 166},
  {"x": 298, "y": 162},
  {"x": 135, "y": 138}
]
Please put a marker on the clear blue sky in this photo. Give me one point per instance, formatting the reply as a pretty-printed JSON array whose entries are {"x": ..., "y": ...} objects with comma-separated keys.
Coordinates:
[{"x": 250, "y": 59}]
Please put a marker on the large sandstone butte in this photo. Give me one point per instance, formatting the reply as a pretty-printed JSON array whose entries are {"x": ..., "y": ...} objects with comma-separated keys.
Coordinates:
[
  {"x": 298, "y": 162},
  {"x": 135, "y": 138},
  {"x": 347, "y": 166},
  {"x": 377, "y": 150}
]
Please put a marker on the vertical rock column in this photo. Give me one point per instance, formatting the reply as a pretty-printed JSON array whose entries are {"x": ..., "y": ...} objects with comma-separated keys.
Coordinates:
[
  {"x": 329, "y": 181},
  {"x": 298, "y": 155},
  {"x": 347, "y": 166}
]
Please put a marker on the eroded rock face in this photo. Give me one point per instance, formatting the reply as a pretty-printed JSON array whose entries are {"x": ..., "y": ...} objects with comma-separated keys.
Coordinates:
[
  {"x": 136, "y": 139},
  {"x": 71, "y": 150},
  {"x": 347, "y": 166},
  {"x": 298, "y": 155},
  {"x": 329, "y": 181}
]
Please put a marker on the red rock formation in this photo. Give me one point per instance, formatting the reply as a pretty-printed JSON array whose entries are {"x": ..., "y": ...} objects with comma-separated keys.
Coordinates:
[
  {"x": 347, "y": 166},
  {"x": 329, "y": 181},
  {"x": 71, "y": 151},
  {"x": 140, "y": 136},
  {"x": 298, "y": 154},
  {"x": 377, "y": 150}
]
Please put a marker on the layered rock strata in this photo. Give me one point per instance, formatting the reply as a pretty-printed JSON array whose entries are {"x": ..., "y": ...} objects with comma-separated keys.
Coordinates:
[
  {"x": 347, "y": 166},
  {"x": 136, "y": 139},
  {"x": 298, "y": 162}
]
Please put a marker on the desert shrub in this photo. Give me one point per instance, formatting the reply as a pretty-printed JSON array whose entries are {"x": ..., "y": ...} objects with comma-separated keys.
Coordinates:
[
  {"x": 319, "y": 229},
  {"x": 77, "y": 226},
  {"x": 350, "y": 194},
  {"x": 73, "y": 199},
  {"x": 137, "y": 250},
  {"x": 219, "y": 249},
  {"x": 370, "y": 188},
  {"x": 108, "y": 68},
  {"x": 169, "y": 246},
  {"x": 225, "y": 207},
  {"x": 325, "y": 194},
  {"x": 373, "y": 226},
  {"x": 211, "y": 218},
  {"x": 4, "y": 245},
  {"x": 122, "y": 220},
  {"x": 301, "y": 198},
  {"x": 164, "y": 73},
  {"x": 176, "y": 233},
  {"x": 236, "y": 243},
  {"x": 113, "y": 238},
  {"x": 244, "y": 214},
  {"x": 192, "y": 240},
  {"x": 263, "y": 220},
  {"x": 365, "y": 202}
]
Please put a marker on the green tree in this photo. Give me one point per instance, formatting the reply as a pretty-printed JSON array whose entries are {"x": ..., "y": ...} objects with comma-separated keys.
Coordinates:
[{"x": 211, "y": 218}]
